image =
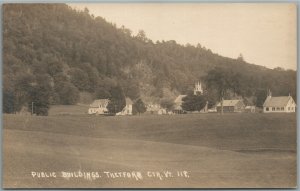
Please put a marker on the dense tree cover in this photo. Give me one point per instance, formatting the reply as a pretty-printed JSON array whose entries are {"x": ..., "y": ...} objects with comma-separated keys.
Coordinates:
[
  {"x": 65, "y": 93},
  {"x": 251, "y": 85},
  {"x": 194, "y": 102},
  {"x": 79, "y": 52},
  {"x": 39, "y": 98}
]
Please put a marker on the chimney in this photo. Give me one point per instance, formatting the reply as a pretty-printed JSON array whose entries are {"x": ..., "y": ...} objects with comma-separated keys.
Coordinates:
[{"x": 269, "y": 93}]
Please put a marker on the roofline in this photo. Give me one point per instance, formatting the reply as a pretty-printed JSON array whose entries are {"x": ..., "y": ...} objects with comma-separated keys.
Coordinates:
[{"x": 290, "y": 97}]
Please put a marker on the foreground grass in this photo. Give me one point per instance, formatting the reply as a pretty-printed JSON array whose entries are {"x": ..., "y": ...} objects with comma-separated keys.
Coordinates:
[{"x": 232, "y": 150}]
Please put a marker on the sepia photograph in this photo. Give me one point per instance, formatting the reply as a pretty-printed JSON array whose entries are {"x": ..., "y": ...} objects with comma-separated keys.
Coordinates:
[{"x": 149, "y": 95}]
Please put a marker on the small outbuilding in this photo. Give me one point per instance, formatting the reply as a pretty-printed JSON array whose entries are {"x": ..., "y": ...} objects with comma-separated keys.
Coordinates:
[{"x": 250, "y": 109}]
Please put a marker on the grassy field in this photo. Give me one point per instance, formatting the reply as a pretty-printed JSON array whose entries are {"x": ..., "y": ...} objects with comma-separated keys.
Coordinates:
[
  {"x": 217, "y": 151},
  {"x": 68, "y": 110}
]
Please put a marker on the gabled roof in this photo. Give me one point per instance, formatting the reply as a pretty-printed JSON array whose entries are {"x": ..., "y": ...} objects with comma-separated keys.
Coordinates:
[
  {"x": 281, "y": 101},
  {"x": 229, "y": 103},
  {"x": 98, "y": 102},
  {"x": 179, "y": 98},
  {"x": 128, "y": 101}
]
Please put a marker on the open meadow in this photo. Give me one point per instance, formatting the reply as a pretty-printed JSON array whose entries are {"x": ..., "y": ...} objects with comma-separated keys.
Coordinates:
[{"x": 208, "y": 150}]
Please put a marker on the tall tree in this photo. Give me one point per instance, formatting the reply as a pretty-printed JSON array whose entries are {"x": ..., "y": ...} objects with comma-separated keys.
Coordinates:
[
  {"x": 117, "y": 101},
  {"x": 68, "y": 94},
  {"x": 8, "y": 102},
  {"x": 39, "y": 96},
  {"x": 218, "y": 79},
  {"x": 141, "y": 36},
  {"x": 261, "y": 95},
  {"x": 193, "y": 102},
  {"x": 21, "y": 90},
  {"x": 139, "y": 107},
  {"x": 80, "y": 79},
  {"x": 167, "y": 104}
]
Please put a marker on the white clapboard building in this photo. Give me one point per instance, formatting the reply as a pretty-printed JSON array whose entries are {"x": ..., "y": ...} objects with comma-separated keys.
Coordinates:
[{"x": 282, "y": 104}]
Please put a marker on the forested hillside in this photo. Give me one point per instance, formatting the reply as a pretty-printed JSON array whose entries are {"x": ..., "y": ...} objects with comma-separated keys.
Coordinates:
[{"x": 51, "y": 53}]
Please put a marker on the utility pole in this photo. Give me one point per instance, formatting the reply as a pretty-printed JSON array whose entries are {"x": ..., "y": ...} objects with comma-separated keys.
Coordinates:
[
  {"x": 32, "y": 108},
  {"x": 222, "y": 106}
]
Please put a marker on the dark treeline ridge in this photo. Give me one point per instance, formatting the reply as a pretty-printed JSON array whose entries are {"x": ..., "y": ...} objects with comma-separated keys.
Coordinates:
[{"x": 51, "y": 53}]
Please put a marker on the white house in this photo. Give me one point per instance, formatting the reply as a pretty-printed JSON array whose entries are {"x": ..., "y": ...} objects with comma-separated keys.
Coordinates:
[
  {"x": 282, "y": 104},
  {"x": 99, "y": 106},
  {"x": 127, "y": 110}
]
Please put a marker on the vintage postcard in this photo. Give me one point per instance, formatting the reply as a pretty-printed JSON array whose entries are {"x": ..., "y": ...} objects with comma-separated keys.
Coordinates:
[{"x": 149, "y": 95}]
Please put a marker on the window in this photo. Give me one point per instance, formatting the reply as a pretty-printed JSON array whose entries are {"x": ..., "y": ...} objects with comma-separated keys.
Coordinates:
[
  {"x": 277, "y": 109},
  {"x": 273, "y": 109},
  {"x": 282, "y": 108},
  {"x": 267, "y": 109}
]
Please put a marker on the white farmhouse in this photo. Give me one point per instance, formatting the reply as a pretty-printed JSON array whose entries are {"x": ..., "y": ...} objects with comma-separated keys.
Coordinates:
[
  {"x": 283, "y": 104},
  {"x": 99, "y": 106}
]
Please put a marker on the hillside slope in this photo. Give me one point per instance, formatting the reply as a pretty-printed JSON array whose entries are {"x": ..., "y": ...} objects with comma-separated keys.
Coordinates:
[{"x": 71, "y": 51}]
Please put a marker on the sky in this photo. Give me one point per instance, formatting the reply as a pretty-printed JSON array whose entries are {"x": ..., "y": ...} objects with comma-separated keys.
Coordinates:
[{"x": 265, "y": 34}]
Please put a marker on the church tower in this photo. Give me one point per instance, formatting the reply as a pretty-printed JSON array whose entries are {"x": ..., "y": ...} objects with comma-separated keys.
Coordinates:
[{"x": 198, "y": 89}]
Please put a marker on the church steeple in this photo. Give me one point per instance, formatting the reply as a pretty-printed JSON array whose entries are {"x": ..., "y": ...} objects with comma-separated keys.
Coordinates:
[{"x": 198, "y": 88}]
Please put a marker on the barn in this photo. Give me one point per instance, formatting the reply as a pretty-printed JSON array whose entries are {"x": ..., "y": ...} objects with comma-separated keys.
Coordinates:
[{"x": 231, "y": 106}]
